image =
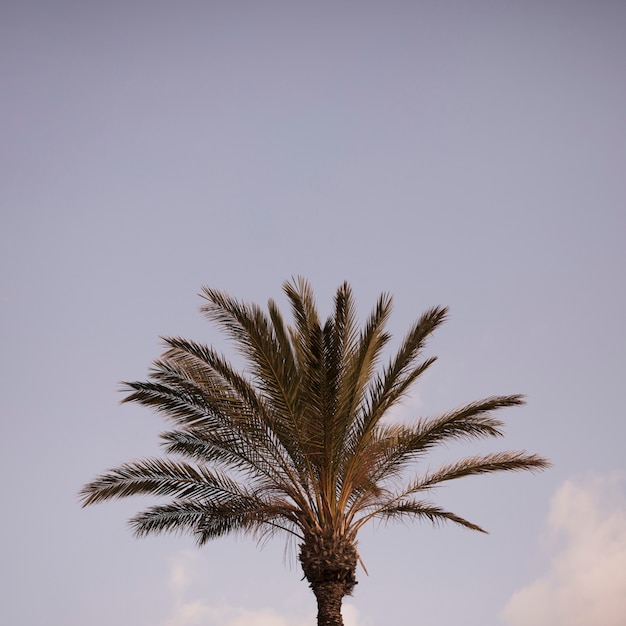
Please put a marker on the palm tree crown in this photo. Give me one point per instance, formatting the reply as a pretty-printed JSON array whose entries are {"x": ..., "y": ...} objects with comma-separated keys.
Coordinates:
[{"x": 296, "y": 442}]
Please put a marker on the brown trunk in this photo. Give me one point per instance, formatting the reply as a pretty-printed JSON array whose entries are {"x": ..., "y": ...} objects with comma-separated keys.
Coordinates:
[
  {"x": 329, "y": 564},
  {"x": 329, "y": 596}
]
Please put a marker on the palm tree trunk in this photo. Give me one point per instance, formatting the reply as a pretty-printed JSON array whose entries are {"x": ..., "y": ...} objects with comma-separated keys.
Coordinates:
[
  {"x": 329, "y": 564},
  {"x": 329, "y": 596}
]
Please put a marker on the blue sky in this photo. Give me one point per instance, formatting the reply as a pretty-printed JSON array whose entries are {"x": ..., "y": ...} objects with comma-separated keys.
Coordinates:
[{"x": 469, "y": 154}]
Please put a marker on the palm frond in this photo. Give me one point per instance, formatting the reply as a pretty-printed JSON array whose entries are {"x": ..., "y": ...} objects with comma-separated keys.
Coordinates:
[
  {"x": 387, "y": 389},
  {"x": 360, "y": 367},
  {"x": 421, "y": 510},
  {"x": 242, "y": 412},
  {"x": 180, "y": 516},
  {"x": 207, "y": 521},
  {"x": 485, "y": 464},
  {"x": 254, "y": 336},
  {"x": 160, "y": 477},
  {"x": 222, "y": 450},
  {"x": 396, "y": 446},
  {"x": 179, "y": 403},
  {"x": 472, "y": 466},
  {"x": 256, "y": 339},
  {"x": 223, "y": 404}
]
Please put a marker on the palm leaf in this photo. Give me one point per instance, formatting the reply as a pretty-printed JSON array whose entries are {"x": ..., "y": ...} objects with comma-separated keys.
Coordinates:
[{"x": 422, "y": 510}]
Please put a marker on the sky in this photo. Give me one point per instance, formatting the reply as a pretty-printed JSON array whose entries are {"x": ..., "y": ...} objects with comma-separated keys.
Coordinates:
[{"x": 468, "y": 154}]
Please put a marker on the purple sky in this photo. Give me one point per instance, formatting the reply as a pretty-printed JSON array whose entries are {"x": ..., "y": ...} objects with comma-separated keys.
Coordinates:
[{"x": 471, "y": 154}]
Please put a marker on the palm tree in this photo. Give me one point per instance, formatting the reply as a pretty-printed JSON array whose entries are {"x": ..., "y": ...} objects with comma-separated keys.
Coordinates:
[{"x": 299, "y": 441}]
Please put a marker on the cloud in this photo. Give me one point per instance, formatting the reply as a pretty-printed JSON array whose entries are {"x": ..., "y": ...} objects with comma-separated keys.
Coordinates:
[
  {"x": 180, "y": 573},
  {"x": 193, "y": 612},
  {"x": 406, "y": 411},
  {"x": 351, "y": 616},
  {"x": 585, "y": 583},
  {"x": 201, "y": 614}
]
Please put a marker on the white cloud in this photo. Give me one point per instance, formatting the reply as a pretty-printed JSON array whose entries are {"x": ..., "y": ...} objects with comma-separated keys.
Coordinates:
[
  {"x": 201, "y": 614},
  {"x": 586, "y": 582},
  {"x": 408, "y": 410},
  {"x": 181, "y": 570},
  {"x": 191, "y": 614},
  {"x": 194, "y": 612},
  {"x": 351, "y": 615}
]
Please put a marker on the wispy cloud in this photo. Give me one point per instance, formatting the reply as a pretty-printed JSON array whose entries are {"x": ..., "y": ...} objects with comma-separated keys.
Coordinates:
[
  {"x": 407, "y": 410},
  {"x": 585, "y": 583},
  {"x": 189, "y": 611},
  {"x": 199, "y": 613},
  {"x": 351, "y": 615}
]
